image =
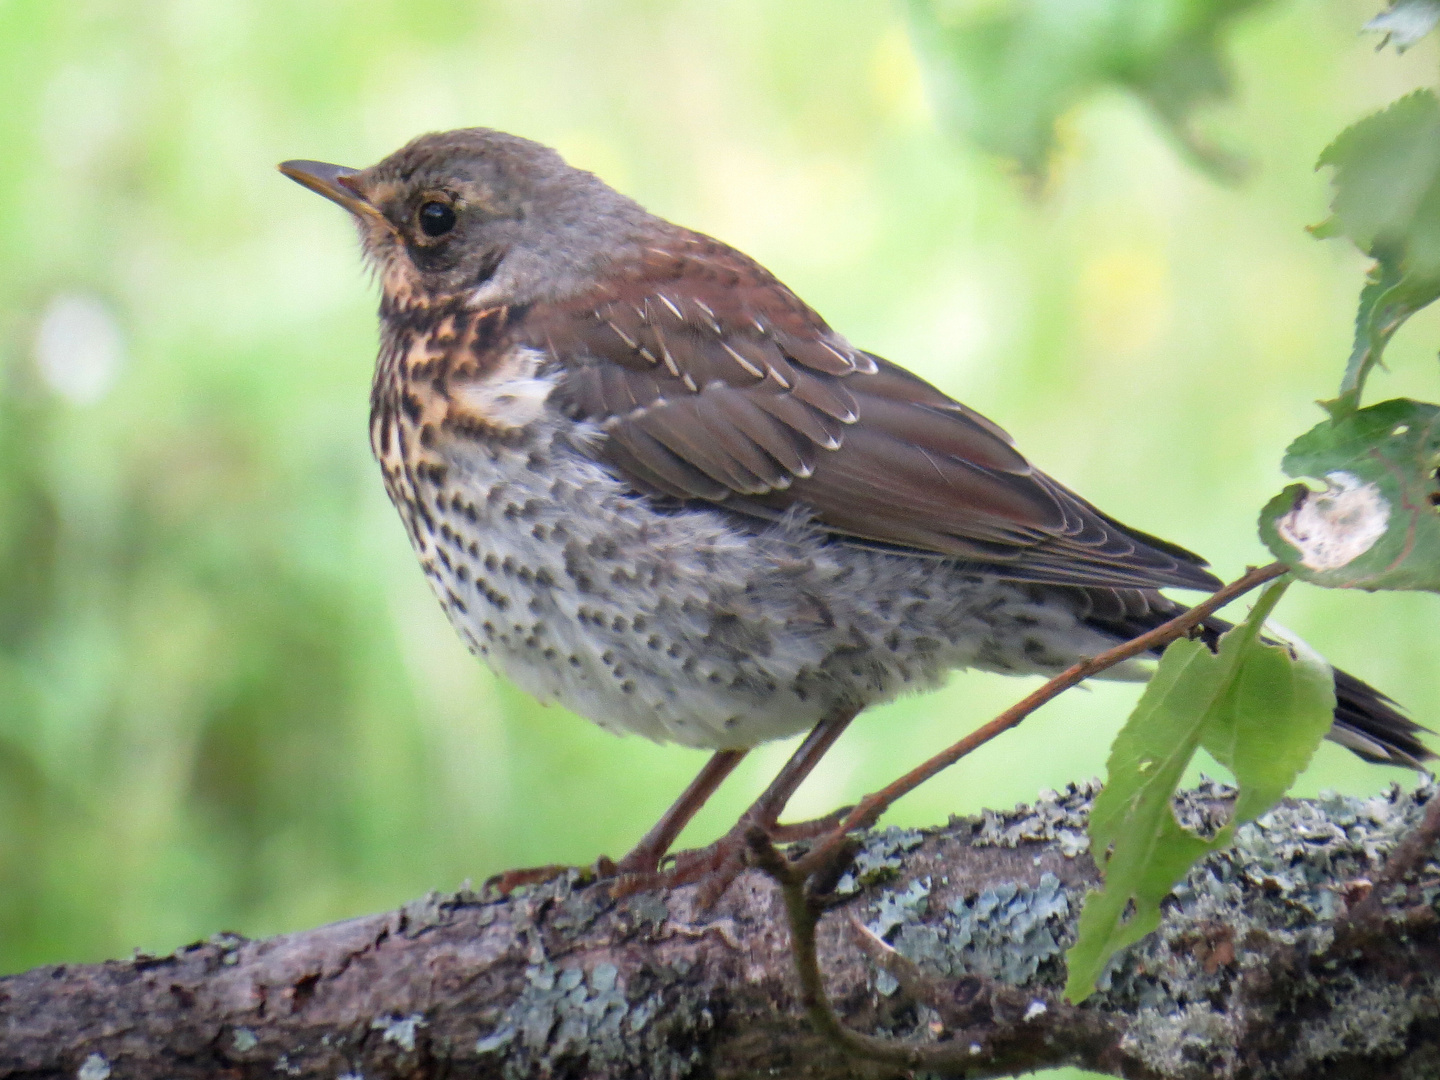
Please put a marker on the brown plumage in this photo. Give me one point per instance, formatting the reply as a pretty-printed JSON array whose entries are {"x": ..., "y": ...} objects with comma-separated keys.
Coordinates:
[
  {"x": 713, "y": 381},
  {"x": 646, "y": 480}
]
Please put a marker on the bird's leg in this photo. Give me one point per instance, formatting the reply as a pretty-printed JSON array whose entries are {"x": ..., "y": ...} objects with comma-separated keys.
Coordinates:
[
  {"x": 766, "y": 810},
  {"x": 718, "y": 864},
  {"x": 644, "y": 857}
]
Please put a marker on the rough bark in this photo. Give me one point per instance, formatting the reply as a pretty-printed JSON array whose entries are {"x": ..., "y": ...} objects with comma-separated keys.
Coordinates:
[{"x": 1275, "y": 959}]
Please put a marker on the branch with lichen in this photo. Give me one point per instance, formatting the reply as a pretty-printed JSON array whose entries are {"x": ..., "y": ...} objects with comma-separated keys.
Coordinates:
[{"x": 1276, "y": 957}]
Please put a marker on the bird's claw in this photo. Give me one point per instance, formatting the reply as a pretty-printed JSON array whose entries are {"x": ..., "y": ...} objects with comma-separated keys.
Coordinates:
[{"x": 715, "y": 867}]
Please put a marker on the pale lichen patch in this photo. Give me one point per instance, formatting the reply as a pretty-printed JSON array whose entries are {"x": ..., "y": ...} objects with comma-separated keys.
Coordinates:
[
  {"x": 243, "y": 1040},
  {"x": 879, "y": 859},
  {"x": 1007, "y": 931},
  {"x": 1059, "y": 816},
  {"x": 569, "y": 1014},
  {"x": 399, "y": 1030},
  {"x": 1334, "y": 527}
]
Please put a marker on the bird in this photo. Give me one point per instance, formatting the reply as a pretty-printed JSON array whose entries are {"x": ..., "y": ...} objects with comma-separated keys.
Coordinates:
[{"x": 648, "y": 482}]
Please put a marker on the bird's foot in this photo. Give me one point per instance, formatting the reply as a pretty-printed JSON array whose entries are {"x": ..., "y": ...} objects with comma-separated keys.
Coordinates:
[{"x": 714, "y": 867}]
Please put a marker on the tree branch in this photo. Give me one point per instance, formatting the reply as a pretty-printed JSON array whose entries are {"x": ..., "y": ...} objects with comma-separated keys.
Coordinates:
[{"x": 942, "y": 946}]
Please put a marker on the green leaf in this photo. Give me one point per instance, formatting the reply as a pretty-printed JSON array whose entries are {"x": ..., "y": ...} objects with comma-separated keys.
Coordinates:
[
  {"x": 1387, "y": 201},
  {"x": 1375, "y": 525},
  {"x": 1266, "y": 730},
  {"x": 1151, "y": 851},
  {"x": 1260, "y": 708},
  {"x": 1005, "y": 73},
  {"x": 1405, "y": 22}
]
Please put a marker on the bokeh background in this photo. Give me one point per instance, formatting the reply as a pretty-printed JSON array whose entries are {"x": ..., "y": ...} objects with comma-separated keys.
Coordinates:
[{"x": 227, "y": 698}]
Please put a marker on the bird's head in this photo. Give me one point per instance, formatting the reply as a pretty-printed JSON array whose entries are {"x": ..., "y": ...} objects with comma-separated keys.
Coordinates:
[{"x": 482, "y": 215}]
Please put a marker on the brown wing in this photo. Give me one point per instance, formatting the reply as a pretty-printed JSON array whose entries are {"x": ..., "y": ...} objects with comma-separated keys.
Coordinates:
[{"x": 714, "y": 382}]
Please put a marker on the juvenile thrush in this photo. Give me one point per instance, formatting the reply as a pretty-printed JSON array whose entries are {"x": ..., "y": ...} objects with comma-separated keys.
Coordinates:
[{"x": 648, "y": 482}]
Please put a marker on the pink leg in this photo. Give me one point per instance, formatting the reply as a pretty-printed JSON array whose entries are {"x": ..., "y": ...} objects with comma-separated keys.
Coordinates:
[
  {"x": 718, "y": 864},
  {"x": 645, "y": 857}
]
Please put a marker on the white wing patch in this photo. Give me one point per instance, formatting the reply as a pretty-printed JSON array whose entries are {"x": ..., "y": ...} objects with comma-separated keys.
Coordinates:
[{"x": 510, "y": 396}]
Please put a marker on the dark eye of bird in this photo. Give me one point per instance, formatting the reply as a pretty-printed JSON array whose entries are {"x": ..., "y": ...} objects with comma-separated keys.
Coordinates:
[{"x": 436, "y": 218}]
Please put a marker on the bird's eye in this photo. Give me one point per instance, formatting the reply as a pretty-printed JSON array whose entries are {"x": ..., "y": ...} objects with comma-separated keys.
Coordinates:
[{"x": 436, "y": 218}]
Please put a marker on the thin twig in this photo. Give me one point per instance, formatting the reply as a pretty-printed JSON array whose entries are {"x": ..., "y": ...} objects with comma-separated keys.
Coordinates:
[
  {"x": 803, "y": 917},
  {"x": 869, "y": 809}
]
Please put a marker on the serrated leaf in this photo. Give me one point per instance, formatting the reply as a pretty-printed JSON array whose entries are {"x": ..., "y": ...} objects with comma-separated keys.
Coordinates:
[
  {"x": 1264, "y": 752},
  {"x": 1405, "y": 22},
  {"x": 1132, "y": 813},
  {"x": 1387, "y": 181},
  {"x": 1006, "y": 73},
  {"x": 1375, "y": 525},
  {"x": 1387, "y": 201},
  {"x": 1260, "y": 708}
]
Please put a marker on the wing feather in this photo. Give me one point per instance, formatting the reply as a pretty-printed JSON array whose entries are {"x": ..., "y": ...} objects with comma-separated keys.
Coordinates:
[{"x": 716, "y": 383}]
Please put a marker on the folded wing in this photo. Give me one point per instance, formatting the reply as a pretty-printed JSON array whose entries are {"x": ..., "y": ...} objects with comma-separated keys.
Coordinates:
[{"x": 714, "y": 382}]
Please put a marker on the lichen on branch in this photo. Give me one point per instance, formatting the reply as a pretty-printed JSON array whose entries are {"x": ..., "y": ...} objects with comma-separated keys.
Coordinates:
[{"x": 1273, "y": 958}]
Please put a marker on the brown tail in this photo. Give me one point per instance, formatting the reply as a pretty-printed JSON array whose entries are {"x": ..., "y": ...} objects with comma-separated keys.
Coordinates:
[{"x": 1367, "y": 722}]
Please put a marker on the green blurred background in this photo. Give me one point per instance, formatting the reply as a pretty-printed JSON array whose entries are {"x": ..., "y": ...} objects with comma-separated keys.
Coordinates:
[{"x": 227, "y": 698}]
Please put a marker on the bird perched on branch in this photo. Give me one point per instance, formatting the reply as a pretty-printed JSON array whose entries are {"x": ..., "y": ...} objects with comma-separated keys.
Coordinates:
[{"x": 646, "y": 481}]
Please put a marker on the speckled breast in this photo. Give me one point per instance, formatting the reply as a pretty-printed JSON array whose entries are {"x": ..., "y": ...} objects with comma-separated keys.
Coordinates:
[{"x": 692, "y": 625}]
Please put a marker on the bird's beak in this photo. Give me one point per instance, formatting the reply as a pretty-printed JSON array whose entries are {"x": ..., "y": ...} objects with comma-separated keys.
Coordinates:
[{"x": 332, "y": 181}]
